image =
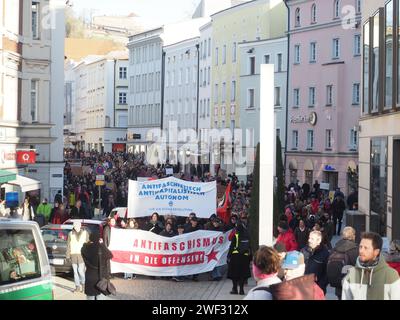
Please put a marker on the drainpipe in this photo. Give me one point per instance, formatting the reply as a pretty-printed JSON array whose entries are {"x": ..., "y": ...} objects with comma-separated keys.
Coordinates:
[{"x": 287, "y": 88}]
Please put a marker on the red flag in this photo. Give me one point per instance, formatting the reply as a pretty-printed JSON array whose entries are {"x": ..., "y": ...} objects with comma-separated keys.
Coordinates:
[
  {"x": 26, "y": 157},
  {"x": 224, "y": 210}
]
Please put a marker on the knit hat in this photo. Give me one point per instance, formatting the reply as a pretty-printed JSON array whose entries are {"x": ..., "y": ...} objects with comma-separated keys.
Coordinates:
[
  {"x": 293, "y": 260},
  {"x": 283, "y": 225}
]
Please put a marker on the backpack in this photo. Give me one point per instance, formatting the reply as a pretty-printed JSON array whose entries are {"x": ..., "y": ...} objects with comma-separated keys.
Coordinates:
[
  {"x": 301, "y": 288},
  {"x": 336, "y": 262}
]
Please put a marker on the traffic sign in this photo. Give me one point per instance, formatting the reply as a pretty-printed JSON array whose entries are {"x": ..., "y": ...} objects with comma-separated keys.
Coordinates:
[
  {"x": 100, "y": 183},
  {"x": 100, "y": 170},
  {"x": 100, "y": 177}
]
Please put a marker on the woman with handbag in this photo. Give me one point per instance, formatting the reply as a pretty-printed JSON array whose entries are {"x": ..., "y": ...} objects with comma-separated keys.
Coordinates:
[{"x": 96, "y": 257}]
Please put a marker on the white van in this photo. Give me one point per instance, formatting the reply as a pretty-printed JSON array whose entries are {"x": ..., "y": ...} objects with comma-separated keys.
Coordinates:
[{"x": 25, "y": 272}]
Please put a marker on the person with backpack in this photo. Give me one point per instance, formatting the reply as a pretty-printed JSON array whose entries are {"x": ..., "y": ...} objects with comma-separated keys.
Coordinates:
[
  {"x": 317, "y": 259},
  {"x": 343, "y": 255},
  {"x": 266, "y": 264},
  {"x": 239, "y": 259}
]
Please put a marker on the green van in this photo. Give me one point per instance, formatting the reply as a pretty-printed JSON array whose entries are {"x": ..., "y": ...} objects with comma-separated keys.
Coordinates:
[{"x": 25, "y": 272}]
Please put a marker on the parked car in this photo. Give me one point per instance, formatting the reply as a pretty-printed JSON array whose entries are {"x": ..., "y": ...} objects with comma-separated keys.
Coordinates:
[
  {"x": 90, "y": 225},
  {"x": 24, "y": 266},
  {"x": 55, "y": 237}
]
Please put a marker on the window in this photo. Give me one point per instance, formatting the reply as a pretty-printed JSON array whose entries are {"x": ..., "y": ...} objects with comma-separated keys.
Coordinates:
[
  {"x": 297, "y": 18},
  {"x": 378, "y": 187},
  {"x": 279, "y": 62},
  {"x": 358, "y": 6},
  {"x": 336, "y": 9},
  {"x": 19, "y": 256},
  {"x": 356, "y": 94},
  {"x": 375, "y": 64},
  {"x": 187, "y": 75},
  {"x": 201, "y": 76},
  {"x": 216, "y": 56},
  {"x": 314, "y": 13},
  {"x": 223, "y": 92},
  {"x": 311, "y": 100},
  {"x": 329, "y": 94},
  {"x": 389, "y": 55},
  {"x": 335, "y": 49},
  {"x": 366, "y": 68},
  {"x": 353, "y": 140},
  {"x": 267, "y": 59},
  {"x": 328, "y": 139},
  {"x": 201, "y": 49},
  {"x": 151, "y": 81},
  {"x": 205, "y": 49},
  {"x": 250, "y": 98},
  {"x": 310, "y": 139},
  {"x": 252, "y": 65},
  {"x": 295, "y": 139},
  {"x": 208, "y": 107},
  {"x": 233, "y": 91},
  {"x": 224, "y": 54},
  {"x": 216, "y": 94},
  {"x": 180, "y": 77},
  {"x": 122, "y": 73},
  {"x": 357, "y": 45},
  {"x": 122, "y": 98},
  {"x": 313, "y": 46},
  {"x": 122, "y": 121},
  {"x": 173, "y": 78},
  {"x": 144, "y": 84},
  {"x": 297, "y": 54},
  {"x": 132, "y": 84},
  {"x": 209, "y": 76},
  {"x": 209, "y": 47},
  {"x": 234, "y": 52},
  {"x": 277, "y": 96},
  {"x": 35, "y": 19},
  {"x": 34, "y": 100},
  {"x": 296, "y": 98}
]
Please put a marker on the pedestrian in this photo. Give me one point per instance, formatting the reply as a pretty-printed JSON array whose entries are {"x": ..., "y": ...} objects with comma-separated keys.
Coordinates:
[
  {"x": 371, "y": 278},
  {"x": 77, "y": 211},
  {"x": 96, "y": 257},
  {"x": 301, "y": 235},
  {"x": 239, "y": 259},
  {"x": 111, "y": 223},
  {"x": 155, "y": 224},
  {"x": 338, "y": 208},
  {"x": 343, "y": 255},
  {"x": 266, "y": 264},
  {"x": 393, "y": 256},
  {"x": 27, "y": 210},
  {"x": 58, "y": 197},
  {"x": 44, "y": 209},
  {"x": 76, "y": 239},
  {"x": 286, "y": 236},
  {"x": 131, "y": 225},
  {"x": 317, "y": 259},
  {"x": 60, "y": 215},
  {"x": 193, "y": 226},
  {"x": 217, "y": 225},
  {"x": 168, "y": 231}
]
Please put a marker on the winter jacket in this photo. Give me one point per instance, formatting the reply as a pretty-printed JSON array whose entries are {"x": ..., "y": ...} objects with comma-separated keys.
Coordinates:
[
  {"x": 74, "y": 245},
  {"x": 393, "y": 260},
  {"x": 316, "y": 263},
  {"x": 262, "y": 294},
  {"x": 379, "y": 282},
  {"x": 350, "y": 248},
  {"x": 169, "y": 234},
  {"x": 301, "y": 237},
  {"x": 288, "y": 240},
  {"x": 338, "y": 208},
  {"x": 154, "y": 227}
]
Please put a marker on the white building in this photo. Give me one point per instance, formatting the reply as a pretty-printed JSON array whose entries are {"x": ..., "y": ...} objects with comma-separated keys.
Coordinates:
[
  {"x": 101, "y": 102},
  {"x": 69, "y": 104},
  {"x": 32, "y": 73},
  {"x": 252, "y": 55}
]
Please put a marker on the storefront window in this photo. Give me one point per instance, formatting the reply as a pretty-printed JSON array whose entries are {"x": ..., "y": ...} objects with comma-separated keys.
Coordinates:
[
  {"x": 378, "y": 191},
  {"x": 309, "y": 177},
  {"x": 389, "y": 55},
  {"x": 375, "y": 65},
  {"x": 366, "y": 69}
]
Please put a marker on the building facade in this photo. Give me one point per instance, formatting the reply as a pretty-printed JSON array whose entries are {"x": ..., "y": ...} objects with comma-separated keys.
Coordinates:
[
  {"x": 252, "y": 55},
  {"x": 324, "y": 92},
  {"x": 379, "y": 166},
  {"x": 32, "y": 49},
  {"x": 250, "y": 21}
]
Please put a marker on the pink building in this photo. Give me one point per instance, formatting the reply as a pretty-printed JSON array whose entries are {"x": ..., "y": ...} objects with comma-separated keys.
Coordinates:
[{"x": 324, "y": 91}]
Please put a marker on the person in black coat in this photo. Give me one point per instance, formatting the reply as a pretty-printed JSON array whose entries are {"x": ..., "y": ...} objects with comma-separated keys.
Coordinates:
[
  {"x": 193, "y": 226},
  {"x": 154, "y": 225},
  {"x": 168, "y": 231},
  {"x": 77, "y": 211},
  {"x": 338, "y": 207},
  {"x": 316, "y": 259},
  {"x": 239, "y": 257},
  {"x": 301, "y": 235},
  {"x": 96, "y": 257}
]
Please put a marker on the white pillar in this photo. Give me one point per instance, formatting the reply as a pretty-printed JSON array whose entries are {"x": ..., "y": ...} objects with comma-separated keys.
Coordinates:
[{"x": 267, "y": 154}]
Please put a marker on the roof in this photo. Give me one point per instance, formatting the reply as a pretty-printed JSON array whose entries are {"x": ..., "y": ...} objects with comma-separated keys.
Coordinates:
[
  {"x": 77, "y": 49},
  {"x": 234, "y": 7}
]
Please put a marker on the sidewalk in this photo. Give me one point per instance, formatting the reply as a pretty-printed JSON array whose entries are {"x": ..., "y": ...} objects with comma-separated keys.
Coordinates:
[{"x": 64, "y": 290}]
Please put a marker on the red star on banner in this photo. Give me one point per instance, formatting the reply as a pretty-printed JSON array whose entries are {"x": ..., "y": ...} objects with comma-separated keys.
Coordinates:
[{"x": 212, "y": 256}]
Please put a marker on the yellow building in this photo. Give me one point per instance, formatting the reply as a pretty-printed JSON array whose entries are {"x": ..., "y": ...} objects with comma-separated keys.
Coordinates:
[{"x": 250, "y": 21}]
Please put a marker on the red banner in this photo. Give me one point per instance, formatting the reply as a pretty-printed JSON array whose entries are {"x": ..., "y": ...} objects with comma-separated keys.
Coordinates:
[{"x": 26, "y": 157}]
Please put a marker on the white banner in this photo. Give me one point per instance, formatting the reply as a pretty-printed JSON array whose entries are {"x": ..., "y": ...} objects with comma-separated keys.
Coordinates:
[
  {"x": 171, "y": 196},
  {"x": 144, "y": 252}
]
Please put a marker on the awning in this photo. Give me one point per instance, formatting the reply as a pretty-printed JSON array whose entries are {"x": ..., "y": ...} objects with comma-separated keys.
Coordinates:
[
  {"x": 26, "y": 184},
  {"x": 6, "y": 176}
]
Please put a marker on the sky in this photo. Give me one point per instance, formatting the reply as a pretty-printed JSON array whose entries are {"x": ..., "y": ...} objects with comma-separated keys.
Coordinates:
[{"x": 158, "y": 11}]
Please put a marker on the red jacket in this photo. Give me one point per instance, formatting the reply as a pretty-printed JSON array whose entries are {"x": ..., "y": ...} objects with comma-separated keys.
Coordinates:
[
  {"x": 395, "y": 265},
  {"x": 288, "y": 240},
  {"x": 315, "y": 206},
  {"x": 318, "y": 293}
]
